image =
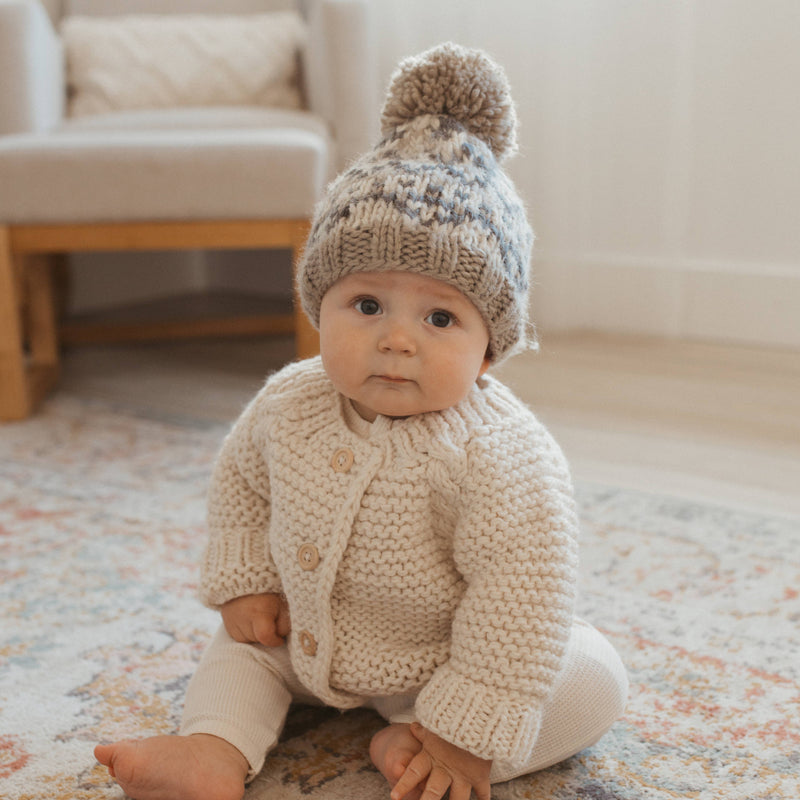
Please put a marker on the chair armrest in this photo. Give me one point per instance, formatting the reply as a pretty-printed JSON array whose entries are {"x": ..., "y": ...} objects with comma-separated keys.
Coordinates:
[
  {"x": 341, "y": 74},
  {"x": 32, "y": 89}
]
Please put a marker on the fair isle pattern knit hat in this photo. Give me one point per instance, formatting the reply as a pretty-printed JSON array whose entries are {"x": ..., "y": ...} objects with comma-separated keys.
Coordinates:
[{"x": 431, "y": 197}]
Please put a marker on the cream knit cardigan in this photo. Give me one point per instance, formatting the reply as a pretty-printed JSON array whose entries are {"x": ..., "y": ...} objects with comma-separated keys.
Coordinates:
[{"x": 443, "y": 551}]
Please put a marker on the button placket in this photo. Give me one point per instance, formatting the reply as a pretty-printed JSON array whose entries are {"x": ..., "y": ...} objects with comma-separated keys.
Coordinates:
[{"x": 308, "y": 556}]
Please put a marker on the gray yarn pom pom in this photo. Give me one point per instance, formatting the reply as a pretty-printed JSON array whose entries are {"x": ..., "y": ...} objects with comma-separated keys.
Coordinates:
[{"x": 457, "y": 82}]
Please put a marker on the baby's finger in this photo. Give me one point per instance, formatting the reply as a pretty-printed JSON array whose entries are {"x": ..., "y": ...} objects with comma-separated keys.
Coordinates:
[
  {"x": 461, "y": 790},
  {"x": 284, "y": 622},
  {"x": 264, "y": 632},
  {"x": 438, "y": 784},
  {"x": 416, "y": 772},
  {"x": 238, "y": 633},
  {"x": 483, "y": 792}
]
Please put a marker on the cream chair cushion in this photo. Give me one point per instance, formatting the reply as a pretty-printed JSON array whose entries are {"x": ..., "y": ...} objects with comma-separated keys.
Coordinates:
[
  {"x": 159, "y": 164},
  {"x": 162, "y": 61}
]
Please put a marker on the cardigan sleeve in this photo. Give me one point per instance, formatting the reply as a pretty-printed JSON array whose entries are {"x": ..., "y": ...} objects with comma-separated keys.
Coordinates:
[
  {"x": 237, "y": 561},
  {"x": 515, "y": 544}
]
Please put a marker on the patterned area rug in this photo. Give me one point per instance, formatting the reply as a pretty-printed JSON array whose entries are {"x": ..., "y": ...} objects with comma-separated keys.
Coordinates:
[{"x": 101, "y": 525}]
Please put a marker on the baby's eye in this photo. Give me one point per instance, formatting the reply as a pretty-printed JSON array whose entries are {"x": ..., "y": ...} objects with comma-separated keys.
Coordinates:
[
  {"x": 368, "y": 306},
  {"x": 440, "y": 319}
]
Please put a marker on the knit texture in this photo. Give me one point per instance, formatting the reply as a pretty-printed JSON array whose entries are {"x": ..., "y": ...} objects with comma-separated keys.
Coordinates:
[
  {"x": 431, "y": 197},
  {"x": 447, "y": 552}
]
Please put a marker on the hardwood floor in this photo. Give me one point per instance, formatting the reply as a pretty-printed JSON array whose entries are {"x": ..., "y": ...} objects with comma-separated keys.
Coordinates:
[
  {"x": 700, "y": 420},
  {"x": 713, "y": 422}
]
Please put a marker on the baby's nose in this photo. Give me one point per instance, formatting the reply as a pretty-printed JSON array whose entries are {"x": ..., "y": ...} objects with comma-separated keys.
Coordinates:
[{"x": 397, "y": 338}]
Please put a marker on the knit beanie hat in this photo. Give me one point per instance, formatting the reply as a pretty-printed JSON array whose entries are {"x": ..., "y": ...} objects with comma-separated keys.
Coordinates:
[{"x": 431, "y": 198}]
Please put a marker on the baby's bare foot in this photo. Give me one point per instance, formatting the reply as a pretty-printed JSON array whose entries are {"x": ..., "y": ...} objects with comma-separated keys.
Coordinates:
[
  {"x": 197, "y": 767},
  {"x": 391, "y": 751}
]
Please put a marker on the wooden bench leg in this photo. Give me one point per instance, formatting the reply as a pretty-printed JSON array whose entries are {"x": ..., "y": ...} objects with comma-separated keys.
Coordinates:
[
  {"x": 41, "y": 325},
  {"x": 15, "y": 396},
  {"x": 29, "y": 361}
]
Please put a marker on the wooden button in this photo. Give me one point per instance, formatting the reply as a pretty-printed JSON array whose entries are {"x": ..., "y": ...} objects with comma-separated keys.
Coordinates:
[
  {"x": 342, "y": 460},
  {"x": 308, "y": 643},
  {"x": 308, "y": 556}
]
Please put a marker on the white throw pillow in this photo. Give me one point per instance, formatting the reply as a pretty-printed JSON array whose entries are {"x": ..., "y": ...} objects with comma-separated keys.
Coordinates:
[{"x": 162, "y": 61}]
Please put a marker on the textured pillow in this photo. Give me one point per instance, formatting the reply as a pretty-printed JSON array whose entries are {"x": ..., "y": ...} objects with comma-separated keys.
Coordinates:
[{"x": 163, "y": 61}]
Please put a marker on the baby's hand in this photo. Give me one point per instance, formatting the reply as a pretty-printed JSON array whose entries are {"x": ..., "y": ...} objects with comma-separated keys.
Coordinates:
[
  {"x": 261, "y": 618},
  {"x": 440, "y": 766}
]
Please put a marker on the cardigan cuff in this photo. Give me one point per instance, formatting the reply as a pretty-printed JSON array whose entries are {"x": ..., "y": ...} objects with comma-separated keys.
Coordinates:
[
  {"x": 481, "y": 719},
  {"x": 227, "y": 587},
  {"x": 236, "y": 564},
  {"x": 229, "y": 584}
]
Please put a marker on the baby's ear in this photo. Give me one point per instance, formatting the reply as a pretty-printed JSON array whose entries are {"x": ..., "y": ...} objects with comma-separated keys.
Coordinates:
[{"x": 487, "y": 362}]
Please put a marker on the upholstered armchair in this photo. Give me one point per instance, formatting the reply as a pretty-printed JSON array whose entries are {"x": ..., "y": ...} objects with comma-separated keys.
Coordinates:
[{"x": 95, "y": 156}]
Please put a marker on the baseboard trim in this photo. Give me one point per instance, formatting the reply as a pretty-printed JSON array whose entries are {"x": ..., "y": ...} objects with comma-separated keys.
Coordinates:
[{"x": 756, "y": 304}]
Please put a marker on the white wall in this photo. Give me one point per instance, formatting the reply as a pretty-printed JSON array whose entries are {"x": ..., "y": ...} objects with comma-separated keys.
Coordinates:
[{"x": 660, "y": 154}]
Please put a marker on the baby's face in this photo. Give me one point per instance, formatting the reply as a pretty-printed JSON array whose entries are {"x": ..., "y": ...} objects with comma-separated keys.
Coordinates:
[{"x": 399, "y": 344}]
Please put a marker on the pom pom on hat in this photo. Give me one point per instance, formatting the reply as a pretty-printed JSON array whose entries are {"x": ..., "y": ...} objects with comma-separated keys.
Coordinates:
[
  {"x": 455, "y": 82},
  {"x": 431, "y": 198}
]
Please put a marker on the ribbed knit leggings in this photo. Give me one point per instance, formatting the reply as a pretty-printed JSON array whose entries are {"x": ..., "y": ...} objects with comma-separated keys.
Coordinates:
[{"x": 242, "y": 692}]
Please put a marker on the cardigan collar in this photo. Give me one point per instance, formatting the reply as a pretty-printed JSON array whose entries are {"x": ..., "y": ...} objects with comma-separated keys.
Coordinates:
[{"x": 440, "y": 431}]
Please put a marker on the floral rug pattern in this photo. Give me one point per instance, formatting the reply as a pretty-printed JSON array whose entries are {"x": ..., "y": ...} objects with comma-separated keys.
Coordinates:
[{"x": 101, "y": 527}]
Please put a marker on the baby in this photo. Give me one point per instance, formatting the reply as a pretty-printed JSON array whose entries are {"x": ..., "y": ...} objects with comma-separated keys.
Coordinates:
[{"x": 390, "y": 526}]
